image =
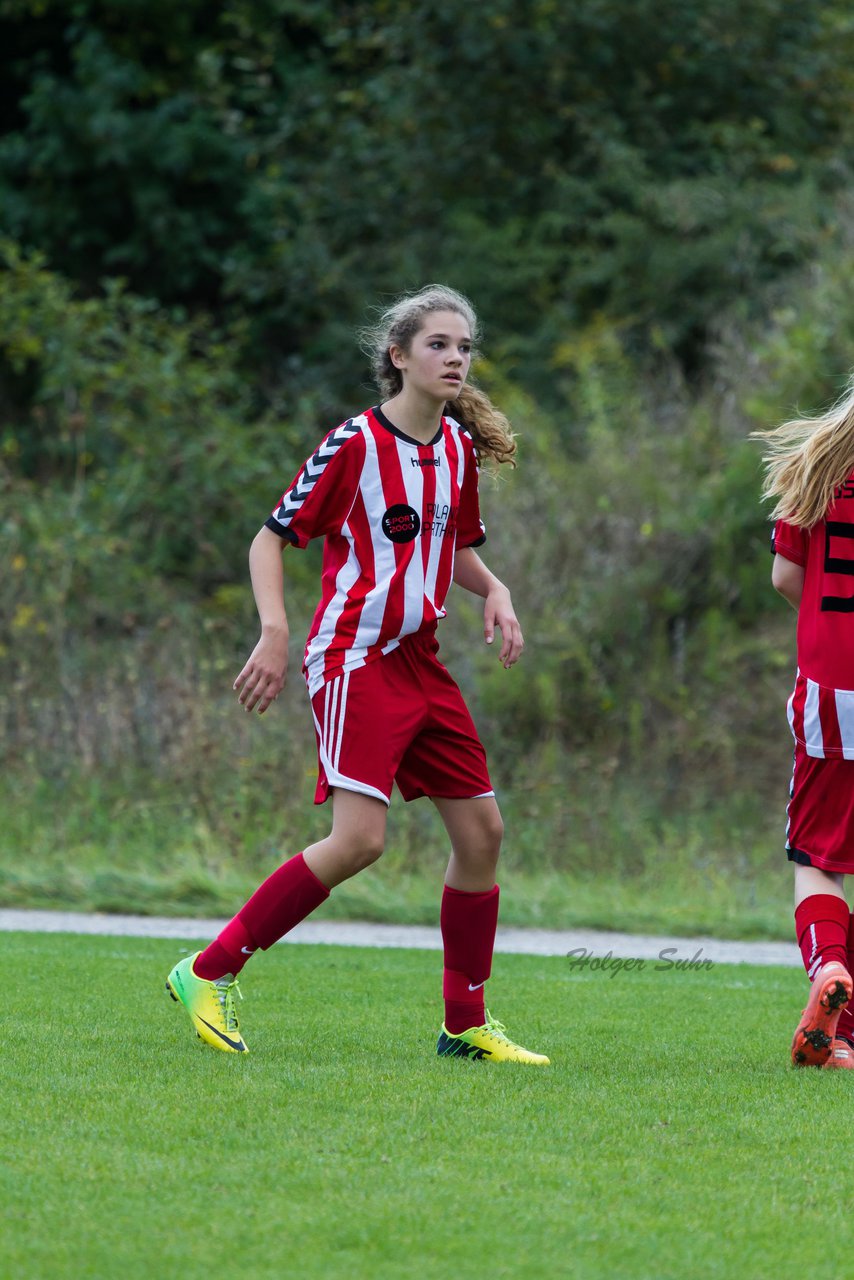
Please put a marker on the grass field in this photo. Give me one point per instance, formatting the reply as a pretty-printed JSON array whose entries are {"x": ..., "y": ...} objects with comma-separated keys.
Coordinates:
[
  {"x": 127, "y": 846},
  {"x": 668, "y": 1139}
]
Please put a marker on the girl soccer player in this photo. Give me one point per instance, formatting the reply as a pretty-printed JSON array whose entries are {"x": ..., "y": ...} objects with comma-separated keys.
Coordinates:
[
  {"x": 811, "y": 474},
  {"x": 394, "y": 493}
]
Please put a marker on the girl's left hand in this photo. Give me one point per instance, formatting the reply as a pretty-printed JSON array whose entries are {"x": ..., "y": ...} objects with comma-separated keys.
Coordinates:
[{"x": 499, "y": 612}]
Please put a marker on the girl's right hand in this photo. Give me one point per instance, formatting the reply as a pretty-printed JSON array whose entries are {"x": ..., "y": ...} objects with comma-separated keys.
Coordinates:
[{"x": 264, "y": 675}]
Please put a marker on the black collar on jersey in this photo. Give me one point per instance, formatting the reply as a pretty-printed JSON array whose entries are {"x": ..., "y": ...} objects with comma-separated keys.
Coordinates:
[{"x": 401, "y": 435}]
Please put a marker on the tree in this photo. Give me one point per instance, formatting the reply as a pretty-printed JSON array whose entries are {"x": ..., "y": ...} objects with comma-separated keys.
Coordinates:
[{"x": 290, "y": 160}]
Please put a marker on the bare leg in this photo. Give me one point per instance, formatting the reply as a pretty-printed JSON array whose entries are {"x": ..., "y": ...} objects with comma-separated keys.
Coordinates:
[
  {"x": 475, "y": 829},
  {"x": 810, "y": 880},
  {"x": 356, "y": 840}
]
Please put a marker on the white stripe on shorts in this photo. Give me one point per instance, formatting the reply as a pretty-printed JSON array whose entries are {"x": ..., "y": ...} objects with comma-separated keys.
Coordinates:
[
  {"x": 342, "y": 711},
  {"x": 331, "y": 736},
  {"x": 812, "y": 722},
  {"x": 333, "y": 726},
  {"x": 845, "y": 716}
]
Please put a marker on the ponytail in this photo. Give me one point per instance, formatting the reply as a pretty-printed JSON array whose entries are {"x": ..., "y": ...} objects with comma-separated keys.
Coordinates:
[{"x": 488, "y": 427}]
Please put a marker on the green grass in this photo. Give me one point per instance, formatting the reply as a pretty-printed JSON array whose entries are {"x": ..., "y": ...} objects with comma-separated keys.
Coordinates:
[
  {"x": 573, "y": 856},
  {"x": 669, "y": 1138},
  {"x": 687, "y": 902}
]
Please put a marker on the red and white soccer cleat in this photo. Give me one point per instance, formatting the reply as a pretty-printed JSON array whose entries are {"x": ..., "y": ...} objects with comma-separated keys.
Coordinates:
[
  {"x": 831, "y": 990},
  {"x": 841, "y": 1056}
]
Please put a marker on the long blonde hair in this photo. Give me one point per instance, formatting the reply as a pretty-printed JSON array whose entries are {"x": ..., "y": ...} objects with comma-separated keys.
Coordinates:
[
  {"x": 807, "y": 459},
  {"x": 488, "y": 427}
]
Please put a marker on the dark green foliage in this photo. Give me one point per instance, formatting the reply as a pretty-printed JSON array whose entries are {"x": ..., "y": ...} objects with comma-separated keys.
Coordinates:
[
  {"x": 135, "y": 470},
  {"x": 135, "y": 467},
  {"x": 652, "y": 161},
  {"x": 647, "y": 202}
]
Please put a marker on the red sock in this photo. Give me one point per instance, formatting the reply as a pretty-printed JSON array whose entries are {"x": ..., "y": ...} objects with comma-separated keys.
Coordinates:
[
  {"x": 287, "y": 896},
  {"x": 821, "y": 924},
  {"x": 468, "y": 923},
  {"x": 845, "y": 1026},
  {"x": 228, "y": 953}
]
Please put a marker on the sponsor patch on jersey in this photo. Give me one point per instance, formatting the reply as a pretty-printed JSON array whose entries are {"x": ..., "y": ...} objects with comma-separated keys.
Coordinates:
[{"x": 401, "y": 523}]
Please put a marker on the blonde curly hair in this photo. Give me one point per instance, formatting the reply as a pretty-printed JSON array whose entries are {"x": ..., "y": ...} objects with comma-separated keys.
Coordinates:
[{"x": 488, "y": 427}]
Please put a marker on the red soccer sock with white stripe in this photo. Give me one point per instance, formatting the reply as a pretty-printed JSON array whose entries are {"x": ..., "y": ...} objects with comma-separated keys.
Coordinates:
[
  {"x": 468, "y": 921},
  {"x": 821, "y": 925},
  {"x": 845, "y": 1026},
  {"x": 290, "y": 894}
]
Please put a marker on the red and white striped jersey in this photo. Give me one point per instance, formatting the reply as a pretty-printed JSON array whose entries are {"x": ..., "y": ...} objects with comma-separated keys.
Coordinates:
[
  {"x": 822, "y": 719},
  {"x": 392, "y": 511},
  {"x": 821, "y": 708}
]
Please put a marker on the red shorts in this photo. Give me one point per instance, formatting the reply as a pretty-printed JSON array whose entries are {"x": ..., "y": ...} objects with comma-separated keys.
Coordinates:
[
  {"x": 399, "y": 719},
  {"x": 820, "y": 830}
]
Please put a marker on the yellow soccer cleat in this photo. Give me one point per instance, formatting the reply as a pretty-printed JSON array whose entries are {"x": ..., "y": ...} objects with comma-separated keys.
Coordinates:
[
  {"x": 488, "y": 1043},
  {"x": 209, "y": 1004}
]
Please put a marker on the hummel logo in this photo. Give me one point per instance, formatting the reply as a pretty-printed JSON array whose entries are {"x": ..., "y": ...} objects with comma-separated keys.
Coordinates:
[{"x": 477, "y": 986}]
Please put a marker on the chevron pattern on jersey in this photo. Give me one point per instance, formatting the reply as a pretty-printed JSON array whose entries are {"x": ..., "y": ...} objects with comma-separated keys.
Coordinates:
[{"x": 313, "y": 469}]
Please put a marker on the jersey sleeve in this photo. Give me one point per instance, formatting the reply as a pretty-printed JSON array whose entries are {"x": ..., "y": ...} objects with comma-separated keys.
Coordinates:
[
  {"x": 471, "y": 531},
  {"x": 791, "y": 542},
  {"x": 319, "y": 498}
]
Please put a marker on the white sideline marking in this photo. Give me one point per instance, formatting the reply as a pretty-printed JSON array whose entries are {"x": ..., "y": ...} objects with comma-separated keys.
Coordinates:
[{"x": 531, "y": 942}]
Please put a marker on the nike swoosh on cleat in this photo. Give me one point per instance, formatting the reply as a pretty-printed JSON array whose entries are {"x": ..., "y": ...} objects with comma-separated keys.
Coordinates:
[
  {"x": 233, "y": 1044},
  {"x": 248, "y": 951},
  {"x": 451, "y": 1047},
  {"x": 472, "y": 1051},
  {"x": 477, "y": 986}
]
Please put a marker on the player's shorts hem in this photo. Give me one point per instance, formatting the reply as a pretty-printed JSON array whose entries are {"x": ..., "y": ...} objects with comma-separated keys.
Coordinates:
[
  {"x": 835, "y": 866},
  {"x": 408, "y": 795},
  {"x": 350, "y": 784},
  {"x": 480, "y": 795},
  {"x": 820, "y": 814}
]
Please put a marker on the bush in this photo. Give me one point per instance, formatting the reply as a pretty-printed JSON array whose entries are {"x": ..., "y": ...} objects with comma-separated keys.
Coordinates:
[{"x": 134, "y": 468}]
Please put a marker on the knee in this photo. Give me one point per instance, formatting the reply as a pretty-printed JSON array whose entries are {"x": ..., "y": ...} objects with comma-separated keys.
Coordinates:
[
  {"x": 363, "y": 849},
  {"x": 484, "y": 842},
  {"x": 493, "y": 834}
]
